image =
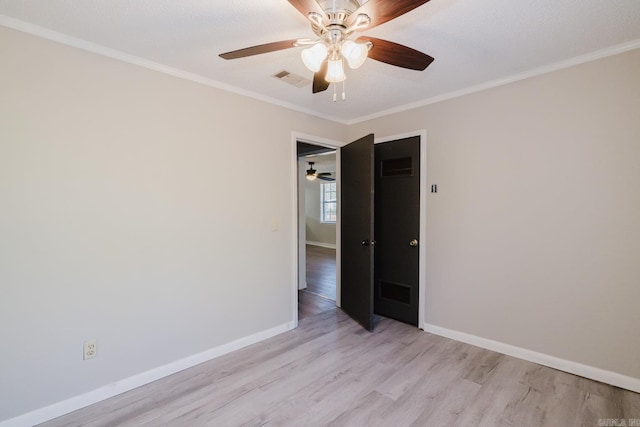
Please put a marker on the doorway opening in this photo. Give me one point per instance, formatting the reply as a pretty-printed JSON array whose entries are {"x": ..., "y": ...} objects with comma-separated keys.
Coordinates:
[
  {"x": 362, "y": 242},
  {"x": 317, "y": 216}
]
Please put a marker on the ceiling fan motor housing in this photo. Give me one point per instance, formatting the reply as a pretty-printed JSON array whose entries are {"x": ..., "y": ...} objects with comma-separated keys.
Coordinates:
[
  {"x": 311, "y": 170},
  {"x": 346, "y": 7}
]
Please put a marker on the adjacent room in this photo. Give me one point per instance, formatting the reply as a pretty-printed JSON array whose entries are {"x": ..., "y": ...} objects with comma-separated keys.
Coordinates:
[
  {"x": 463, "y": 249},
  {"x": 317, "y": 216}
]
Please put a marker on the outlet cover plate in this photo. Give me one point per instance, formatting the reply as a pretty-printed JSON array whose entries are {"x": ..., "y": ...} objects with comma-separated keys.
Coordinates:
[{"x": 90, "y": 349}]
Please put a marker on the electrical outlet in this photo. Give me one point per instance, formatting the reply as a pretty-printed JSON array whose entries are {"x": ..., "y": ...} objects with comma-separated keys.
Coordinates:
[{"x": 90, "y": 349}]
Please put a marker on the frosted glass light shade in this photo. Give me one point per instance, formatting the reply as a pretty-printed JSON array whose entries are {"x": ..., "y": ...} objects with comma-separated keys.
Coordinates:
[
  {"x": 355, "y": 53},
  {"x": 335, "y": 72},
  {"x": 313, "y": 56}
]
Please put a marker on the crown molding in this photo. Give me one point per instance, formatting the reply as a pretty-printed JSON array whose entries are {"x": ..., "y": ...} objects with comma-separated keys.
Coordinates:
[
  {"x": 45, "y": 33},
  {"x": 98, "y": 49},
  {"x": 556, "y": 66}
]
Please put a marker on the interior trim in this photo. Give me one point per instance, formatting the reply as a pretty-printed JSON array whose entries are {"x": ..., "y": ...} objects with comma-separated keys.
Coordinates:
[
  {"x": 545, "y": 69},
  {"x": 45, "y": 33},
  {"x": 322, "y": 244},
  {"x": 64, "y": 39},
  {"x": 78, "y": 402},
  {"x": 297, "y": 232},
  {"x": 586, "y": 371}
]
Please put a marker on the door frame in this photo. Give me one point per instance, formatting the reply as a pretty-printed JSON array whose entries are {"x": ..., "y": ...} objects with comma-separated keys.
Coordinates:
[
  {"x": 422, "y": 252},
  {"x": 297, "y": 237}
]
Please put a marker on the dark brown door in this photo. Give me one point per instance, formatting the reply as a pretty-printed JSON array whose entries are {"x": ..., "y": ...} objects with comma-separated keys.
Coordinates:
[
  {"x": 356, "y": 217},
  {"x": 397, "y": 229}
]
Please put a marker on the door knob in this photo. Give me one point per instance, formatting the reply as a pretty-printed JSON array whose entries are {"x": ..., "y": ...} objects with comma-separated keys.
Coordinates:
[
  {"x": 365, "y": 243},
  {"x": 413, "y": 243}
]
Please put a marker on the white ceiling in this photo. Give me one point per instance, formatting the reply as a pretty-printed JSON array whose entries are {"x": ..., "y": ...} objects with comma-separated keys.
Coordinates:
[{"x": 474, "y": 43}]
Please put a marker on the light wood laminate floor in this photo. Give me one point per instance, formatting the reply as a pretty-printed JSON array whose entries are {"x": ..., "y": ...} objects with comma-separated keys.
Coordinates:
[
  {"x": 311, "y": 305},
  {"x": 329, "y": 371}
]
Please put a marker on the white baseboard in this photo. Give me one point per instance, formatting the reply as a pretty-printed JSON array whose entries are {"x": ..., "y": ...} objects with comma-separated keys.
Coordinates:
[
  {"x": 321, "y": 244},
  {"x": 73, "y": 404},
  {"x": 575, "y": 368}
]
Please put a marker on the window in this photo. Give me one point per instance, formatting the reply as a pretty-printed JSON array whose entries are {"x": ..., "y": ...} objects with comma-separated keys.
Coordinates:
[{"x": 328, "y": 202}]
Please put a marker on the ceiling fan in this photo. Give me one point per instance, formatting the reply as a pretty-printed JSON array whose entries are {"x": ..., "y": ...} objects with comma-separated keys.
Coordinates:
[
  {"x": 334, "y": 22},
  {"x": 312, "y": 174}
]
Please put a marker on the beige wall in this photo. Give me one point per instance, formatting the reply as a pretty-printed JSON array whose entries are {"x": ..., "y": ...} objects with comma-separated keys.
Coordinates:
[
  {"x": 126, "y": 216},
  {"x": 533, "y": 238}
]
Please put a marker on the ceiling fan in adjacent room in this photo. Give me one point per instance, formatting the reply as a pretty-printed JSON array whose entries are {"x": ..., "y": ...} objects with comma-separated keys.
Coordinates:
[
  {"x": 312, "y": 174},
  {"x": 334, "y": 23}
]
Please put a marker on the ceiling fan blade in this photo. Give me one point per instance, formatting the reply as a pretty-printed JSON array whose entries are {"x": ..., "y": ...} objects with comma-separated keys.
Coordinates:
[
  {"x": 323, "y": 173},
  {"x": 325, "y": 178},
  {"x": 396, "y": 54},
  {"x": 259, "y": 49},
  {"x": 319, "y": 82},
  {"x": 381, "y": 11},
  {"x": 306, "y": 6}
]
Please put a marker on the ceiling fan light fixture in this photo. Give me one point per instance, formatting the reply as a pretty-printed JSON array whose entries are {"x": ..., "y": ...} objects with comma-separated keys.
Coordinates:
[
  {"x": 314, "y": 56},
  {"x": 335, "y": 71},
  {"x": 334, "y": 22},
  {"x": 355, "y": 53},
  {"x": 311, "y": 172}
]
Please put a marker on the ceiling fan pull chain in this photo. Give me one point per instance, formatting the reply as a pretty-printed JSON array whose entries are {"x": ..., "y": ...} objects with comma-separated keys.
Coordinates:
[
  {"x": 344, "y": 94},
  {"x": 335, "y": 95}
]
